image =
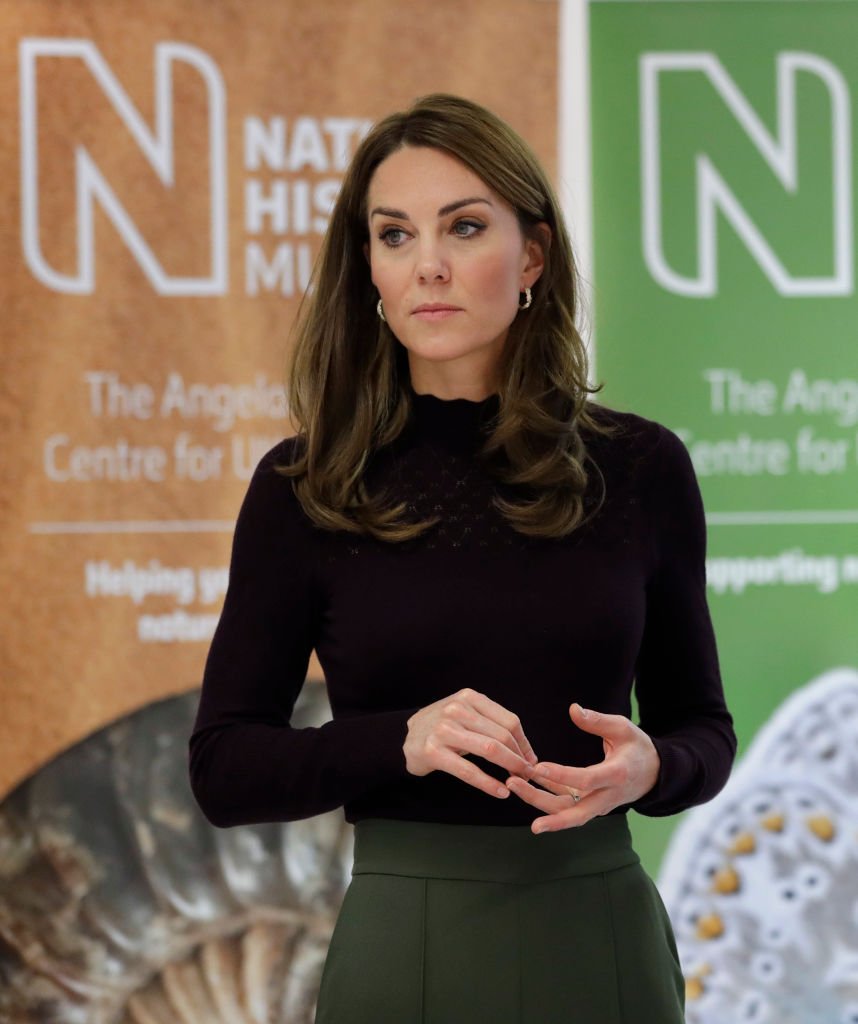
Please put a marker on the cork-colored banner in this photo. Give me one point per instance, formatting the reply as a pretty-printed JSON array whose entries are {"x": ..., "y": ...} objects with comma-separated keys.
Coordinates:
[{"x": 164, "y": 196}]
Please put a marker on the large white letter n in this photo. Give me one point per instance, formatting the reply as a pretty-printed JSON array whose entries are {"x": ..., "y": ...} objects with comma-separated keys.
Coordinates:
[
  {"x": 713, "y": 195},
  {"x": 90, "y": 185}
]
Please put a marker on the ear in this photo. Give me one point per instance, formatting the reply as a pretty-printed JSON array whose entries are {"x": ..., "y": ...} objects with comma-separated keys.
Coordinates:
[{"x": 535, "y": 248}]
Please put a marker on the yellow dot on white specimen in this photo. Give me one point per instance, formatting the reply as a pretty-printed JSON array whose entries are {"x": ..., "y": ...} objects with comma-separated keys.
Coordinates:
[
  {"x": 726, "y": 880},
  {"x": 710, "y": 926},
  {"x": 822, "y": 827},
  {"x": 694, "y": 988},
  {"x": 744, "y": 843}
]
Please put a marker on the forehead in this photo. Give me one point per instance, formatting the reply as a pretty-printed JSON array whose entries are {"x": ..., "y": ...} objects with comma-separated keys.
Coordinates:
[{"x": 420, "y": 175}]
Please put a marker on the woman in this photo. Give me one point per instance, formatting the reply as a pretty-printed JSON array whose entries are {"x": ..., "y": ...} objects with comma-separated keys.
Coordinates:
[{"x": 485, "y": 561}]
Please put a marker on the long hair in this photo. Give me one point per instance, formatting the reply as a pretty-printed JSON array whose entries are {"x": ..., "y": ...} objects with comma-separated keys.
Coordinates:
[{"x": 348, "y": 379}]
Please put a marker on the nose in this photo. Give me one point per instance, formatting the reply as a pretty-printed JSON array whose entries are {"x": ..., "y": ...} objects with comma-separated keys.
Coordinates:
[{"x": 431, "y": 264}]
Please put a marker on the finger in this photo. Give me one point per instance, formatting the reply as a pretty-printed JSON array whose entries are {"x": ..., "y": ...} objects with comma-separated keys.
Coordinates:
[
  {"x": 504, "y": 717},
  {"x": 556, "y": 787},
  {"x": 476, "y": 721},
  {"x": 614, "y": 727},
  {"x": 585, "y": 780},
  {"x": 549, "y": 802},
  {"x": 469, "y": 773},
  {"x": 507, "y": 720},
  {"x": 573, "y": 817},
  {"x": 462, "y": 740},
  {"x": 589, "y": 807}
]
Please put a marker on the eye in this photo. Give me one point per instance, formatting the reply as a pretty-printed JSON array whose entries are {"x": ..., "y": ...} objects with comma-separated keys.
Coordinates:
[
  {"x": 467, "y": 228},
  {"x": 392, "y": 237}
]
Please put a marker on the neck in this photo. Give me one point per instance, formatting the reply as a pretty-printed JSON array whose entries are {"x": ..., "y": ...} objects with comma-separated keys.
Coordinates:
[
  {"x": 440, "y": 380},
  {"x": 457, "y": 424}
]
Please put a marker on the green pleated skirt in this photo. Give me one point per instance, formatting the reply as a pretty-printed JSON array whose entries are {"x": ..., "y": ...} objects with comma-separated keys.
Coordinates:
[{"x": 462, "y": 924}]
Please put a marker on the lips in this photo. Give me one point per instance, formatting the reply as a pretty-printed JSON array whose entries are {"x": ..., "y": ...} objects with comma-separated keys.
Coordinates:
[{"x": 435, "y": 311}]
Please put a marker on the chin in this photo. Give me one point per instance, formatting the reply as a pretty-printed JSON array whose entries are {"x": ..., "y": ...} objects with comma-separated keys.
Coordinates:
[{"x": 441, "y": 350}]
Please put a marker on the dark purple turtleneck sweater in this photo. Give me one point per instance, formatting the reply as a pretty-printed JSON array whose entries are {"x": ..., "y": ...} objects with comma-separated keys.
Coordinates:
[{"x": 533, "y": 623}]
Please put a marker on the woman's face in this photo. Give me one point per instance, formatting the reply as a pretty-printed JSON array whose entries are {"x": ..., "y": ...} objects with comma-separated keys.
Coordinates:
[{"x": 449, "y": 260}]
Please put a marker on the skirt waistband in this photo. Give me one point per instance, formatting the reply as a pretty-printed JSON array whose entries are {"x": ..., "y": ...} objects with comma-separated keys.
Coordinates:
[{"x": 490, "y": 853}]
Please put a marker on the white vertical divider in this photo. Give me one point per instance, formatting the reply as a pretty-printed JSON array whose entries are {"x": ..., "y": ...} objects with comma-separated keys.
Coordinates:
[{"x": 574, "y": 183}]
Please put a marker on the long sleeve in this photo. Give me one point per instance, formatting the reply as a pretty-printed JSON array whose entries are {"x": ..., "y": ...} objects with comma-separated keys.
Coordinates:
[
  {"x": 678, "y": 683},
  {"x": 247, "y": 763},
  {"x": 532, "y": 622}
]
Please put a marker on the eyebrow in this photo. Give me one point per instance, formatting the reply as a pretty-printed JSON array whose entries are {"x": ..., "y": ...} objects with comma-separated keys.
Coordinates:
[{"x": 386, "y": 211}]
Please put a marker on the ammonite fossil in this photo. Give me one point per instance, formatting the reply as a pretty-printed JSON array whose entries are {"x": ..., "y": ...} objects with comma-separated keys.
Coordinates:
[
  {"x": 120, "y": 904},
  {"x": 762, "y": 882}
]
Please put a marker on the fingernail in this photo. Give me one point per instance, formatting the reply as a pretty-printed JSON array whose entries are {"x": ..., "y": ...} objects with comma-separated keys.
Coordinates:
[
  {"x": 583, "y": 712},
  {"x": 502, "y": 791},
  {"x": 537, "y": 828}
]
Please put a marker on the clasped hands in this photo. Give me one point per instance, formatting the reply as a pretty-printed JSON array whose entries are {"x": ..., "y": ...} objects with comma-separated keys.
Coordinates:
[{"x": 441, "y": 735}]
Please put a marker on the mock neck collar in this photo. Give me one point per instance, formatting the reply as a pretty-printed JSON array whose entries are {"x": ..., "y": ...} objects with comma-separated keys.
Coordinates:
[{"x": 458, "y": 424}]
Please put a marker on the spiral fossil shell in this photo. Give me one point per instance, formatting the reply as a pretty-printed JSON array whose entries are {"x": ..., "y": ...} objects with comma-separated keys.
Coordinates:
[
  {"x": 762, "y": 882},
  {"x": 120, "y": 904}
]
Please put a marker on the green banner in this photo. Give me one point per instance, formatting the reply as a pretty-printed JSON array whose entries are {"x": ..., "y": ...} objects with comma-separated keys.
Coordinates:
[{"x": 725, "y": 307}]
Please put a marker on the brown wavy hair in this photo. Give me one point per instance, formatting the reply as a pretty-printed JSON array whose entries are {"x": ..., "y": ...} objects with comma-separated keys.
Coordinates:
[{"x": 348, "y": 378}]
